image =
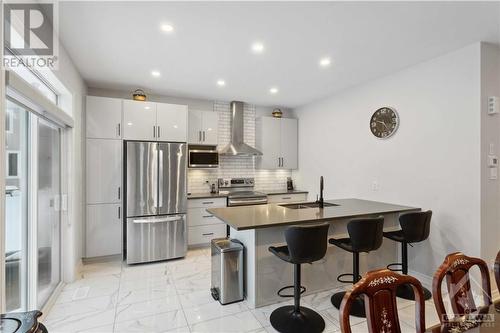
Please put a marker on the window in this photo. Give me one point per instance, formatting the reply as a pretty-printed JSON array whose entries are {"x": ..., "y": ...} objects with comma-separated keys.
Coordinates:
[{"x": 36, "y": 80}]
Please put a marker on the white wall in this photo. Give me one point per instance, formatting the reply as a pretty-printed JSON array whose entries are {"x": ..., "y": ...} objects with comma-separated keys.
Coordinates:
[
  {"x": 490, "y": 134},
  {"x": 432, "y": 162},
  {"x": 72, "y": 223}
]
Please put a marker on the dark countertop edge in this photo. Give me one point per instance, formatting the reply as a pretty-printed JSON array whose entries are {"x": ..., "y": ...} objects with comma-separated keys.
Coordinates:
[
  {"x": 319, "y": 220},
  {"x": 284, "y": 192},
  {"x": 205, "y": 195}
]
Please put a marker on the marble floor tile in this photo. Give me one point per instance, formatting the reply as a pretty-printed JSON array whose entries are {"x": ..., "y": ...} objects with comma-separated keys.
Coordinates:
[
  {"x": 174, "y": 296},
  {"x": 142, "y": 295},
  {"x": 196, "y": 298},
  {"x": 150, "y": 307},
  {"x": 108, "y": 281},
  {"x": 80, "y": 321},
  {"x": 100, "y": 329},
  {"x": 62, "y": 310},
  {"x": 209, "y": 311},
  {"x": 240, "y": 322},
  {"x": 86, "y": 292},
  {"x": 151, "y": 324}
]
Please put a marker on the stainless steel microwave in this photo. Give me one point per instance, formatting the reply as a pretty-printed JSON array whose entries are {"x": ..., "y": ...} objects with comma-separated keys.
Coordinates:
[{"x": 203, "y": 158}]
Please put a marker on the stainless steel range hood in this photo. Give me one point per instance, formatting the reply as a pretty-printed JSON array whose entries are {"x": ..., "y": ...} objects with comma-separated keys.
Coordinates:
[{"x": 236, "y": 146}]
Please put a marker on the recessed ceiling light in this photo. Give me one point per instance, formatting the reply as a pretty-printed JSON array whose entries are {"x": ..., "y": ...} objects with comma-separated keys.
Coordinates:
[
  {"x": 325, "y": 62},
  {"x": 221, "y": 83},
  {"x": 273, "y": 90},
  {"x": 257, "y": 47},
  {"x": 155, "y": 73},
  {"x": 167, "y": 27}
]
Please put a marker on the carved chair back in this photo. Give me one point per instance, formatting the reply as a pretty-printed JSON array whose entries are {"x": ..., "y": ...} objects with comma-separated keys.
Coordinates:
[
  {"x": 455, "y": 268},
  {"x": 497, "y": 270},
  {"x": 379, "y": 291}
]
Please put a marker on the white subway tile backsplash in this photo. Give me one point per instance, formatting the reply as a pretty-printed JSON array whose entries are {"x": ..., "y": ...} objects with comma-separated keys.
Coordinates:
[{"x": 236, "y": 166}]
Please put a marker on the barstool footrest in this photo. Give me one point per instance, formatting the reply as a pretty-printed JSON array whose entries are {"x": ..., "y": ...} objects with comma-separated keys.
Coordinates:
[
  {"x": 389, "y": 267},
  {"x": 302, "y": 290},
  {"x": 339, "y": 278}
]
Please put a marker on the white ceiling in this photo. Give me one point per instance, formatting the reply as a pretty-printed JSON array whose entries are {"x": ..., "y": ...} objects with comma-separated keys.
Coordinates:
[{"x": 117, "y": 44}]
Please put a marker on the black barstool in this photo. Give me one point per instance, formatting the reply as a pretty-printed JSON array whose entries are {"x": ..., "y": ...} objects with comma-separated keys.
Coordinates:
[
  {"x": 365, "y": 235},
  {"x": 305, "y": 244},
  {"x": 415, "y": 227}
]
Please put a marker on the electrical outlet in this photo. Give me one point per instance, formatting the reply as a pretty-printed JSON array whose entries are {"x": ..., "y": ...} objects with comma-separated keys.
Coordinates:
[{"x": 375, "y": 186}]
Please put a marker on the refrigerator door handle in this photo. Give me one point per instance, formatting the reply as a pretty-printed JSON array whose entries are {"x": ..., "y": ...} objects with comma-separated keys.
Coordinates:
[
  {"x": 160, "y": 220},
  {"x": 160, "y": 177}
]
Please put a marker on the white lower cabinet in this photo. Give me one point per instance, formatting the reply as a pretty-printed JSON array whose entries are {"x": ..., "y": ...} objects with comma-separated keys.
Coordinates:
[
  {"x": 281, "y": 198},
  {"x": 203, "y": 234},
  {"x": 103, "y": 230},
  {"x": 203, "y": 226}
]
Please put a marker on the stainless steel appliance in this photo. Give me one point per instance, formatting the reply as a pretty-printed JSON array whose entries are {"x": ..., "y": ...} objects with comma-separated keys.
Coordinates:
[
  {"x": 240, "y": 192},
  {"x": 237, "y": 146},
  {"x": 156, "y": 201},
  {"x": 227, "y": 270},
  {"x": 203, "y": 157}
]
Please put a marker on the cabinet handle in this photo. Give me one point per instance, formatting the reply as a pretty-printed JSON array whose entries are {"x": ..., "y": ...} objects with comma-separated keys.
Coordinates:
[
  {"x": 203, "y": 136},
  {"x": 207, "y": 216},
  {"x": 154, "y": 131},
  {"x": 208, "y": 234},
  {"x": 207, "y": 202},
  {"x": 159, "y": 131},
  {"x": 199, "y": 135},
  {"x": 286, "y": 198},
  {"x": 119, "y": 212},
  {"x": 279, "y": 162},
  {"x": 119, "y": 193},
  {"x": 118, "y": 130},
  {"x": 282, "y": 162}
]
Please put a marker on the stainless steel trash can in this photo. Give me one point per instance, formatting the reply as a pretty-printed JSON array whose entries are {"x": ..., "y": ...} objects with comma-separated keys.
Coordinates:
[{"x": 227, "y": 270}]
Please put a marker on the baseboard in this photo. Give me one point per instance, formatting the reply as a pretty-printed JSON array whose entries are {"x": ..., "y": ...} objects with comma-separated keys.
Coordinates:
[
  {"x": 116, "y": 257},
  {"x": 51, "y": 301},
  {"x": 425, "y": 280}
]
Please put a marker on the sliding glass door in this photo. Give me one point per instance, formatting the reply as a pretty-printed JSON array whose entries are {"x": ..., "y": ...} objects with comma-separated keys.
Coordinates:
[
  {"x": 33, "y": 221},
  {"x": 16, "y": 206},
  {"x": 48, "y": 224}
]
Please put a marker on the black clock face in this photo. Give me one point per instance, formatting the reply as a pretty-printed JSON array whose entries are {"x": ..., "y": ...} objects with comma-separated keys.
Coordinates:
[{"x": 384, "y": 122}]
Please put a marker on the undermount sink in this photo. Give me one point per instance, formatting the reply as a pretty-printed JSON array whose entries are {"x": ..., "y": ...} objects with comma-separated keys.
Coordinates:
[{"x": 305, "y": 205}]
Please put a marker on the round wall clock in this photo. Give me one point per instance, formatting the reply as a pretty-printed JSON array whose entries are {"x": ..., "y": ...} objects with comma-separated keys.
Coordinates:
[{"x": 384, "y": 122}]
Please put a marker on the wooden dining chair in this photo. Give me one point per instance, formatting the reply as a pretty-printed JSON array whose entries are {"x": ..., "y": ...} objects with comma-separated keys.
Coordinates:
[
  {"x": 379, "y": 291},
  {"x": 497, "y": 270},
  {"x": 455, "y": 268}
]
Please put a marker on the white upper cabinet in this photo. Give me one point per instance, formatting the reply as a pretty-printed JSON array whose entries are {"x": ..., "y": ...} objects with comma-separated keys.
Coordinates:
[
  {"x": 277, "y": 138},
  {"x": 104, "y": 171},
  {"x": 139, "y": 120},
  {"x": 104, "y": 117},
  {"x": 203, "y": 127},
  {"x": 289, "y": 143},
  {"x": 171, "y": 122}
]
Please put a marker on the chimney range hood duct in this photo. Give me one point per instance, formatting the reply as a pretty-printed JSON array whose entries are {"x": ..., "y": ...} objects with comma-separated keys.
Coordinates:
[{"x": 236, "y": 146}]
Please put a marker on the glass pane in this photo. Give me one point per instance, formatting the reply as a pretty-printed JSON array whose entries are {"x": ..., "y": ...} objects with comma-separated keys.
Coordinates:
[
  {"x": 16, "y": 207},
  {"x": 49, "y": 235}
]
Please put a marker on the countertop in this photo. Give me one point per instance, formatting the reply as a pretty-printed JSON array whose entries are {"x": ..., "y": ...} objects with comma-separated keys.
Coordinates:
[
  {"x": 206, "y": 195},
  {"x": 273, "y": 215},
  {"x": 283, "y": 192}
]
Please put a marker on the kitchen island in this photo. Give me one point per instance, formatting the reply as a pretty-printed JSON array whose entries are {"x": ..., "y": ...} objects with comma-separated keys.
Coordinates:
[{"x": 261, "y": 226}]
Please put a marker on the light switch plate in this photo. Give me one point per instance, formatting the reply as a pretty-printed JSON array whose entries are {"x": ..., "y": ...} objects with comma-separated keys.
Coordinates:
[{"x": 493, "y": 105}]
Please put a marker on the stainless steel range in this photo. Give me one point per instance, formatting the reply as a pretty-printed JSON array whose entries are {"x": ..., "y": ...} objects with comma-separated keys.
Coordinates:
[{"x": 240, "y": 192}]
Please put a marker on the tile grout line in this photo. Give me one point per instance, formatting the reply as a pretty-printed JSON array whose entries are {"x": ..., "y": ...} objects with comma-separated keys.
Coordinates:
[{"x": 178, "y": 298}]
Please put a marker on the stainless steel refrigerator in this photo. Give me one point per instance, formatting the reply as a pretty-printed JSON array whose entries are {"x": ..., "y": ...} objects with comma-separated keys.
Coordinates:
[{"x": 156, "y": 201}]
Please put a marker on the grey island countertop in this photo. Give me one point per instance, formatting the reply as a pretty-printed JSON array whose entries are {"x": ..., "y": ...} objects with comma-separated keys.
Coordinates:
[{"x": 273, "y": 215}]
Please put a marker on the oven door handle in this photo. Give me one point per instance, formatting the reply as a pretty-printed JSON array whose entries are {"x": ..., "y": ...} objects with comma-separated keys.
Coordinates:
[{"x": 248, "y": 201}]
